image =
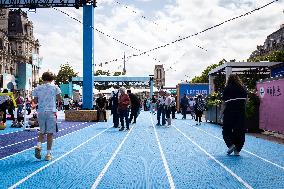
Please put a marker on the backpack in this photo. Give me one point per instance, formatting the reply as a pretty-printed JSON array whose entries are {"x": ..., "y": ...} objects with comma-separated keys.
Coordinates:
[{"x": 19, "y": 100}]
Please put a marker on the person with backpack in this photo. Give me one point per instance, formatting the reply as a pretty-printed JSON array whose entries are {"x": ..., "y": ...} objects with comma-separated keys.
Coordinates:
[{"x": 20, "y": 104}]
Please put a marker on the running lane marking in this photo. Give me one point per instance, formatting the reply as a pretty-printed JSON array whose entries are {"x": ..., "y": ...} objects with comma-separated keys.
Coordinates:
[
  {"x": 45, "y": 142},
  {"x": 36, "y": 137},
  {"x": 103, "y": 172},
  {"x": 53, "y": 161},
  {"x": 267, "y": 161},
  {"x": 165, "y": 163},
  {"x": 218, "y": 162}
]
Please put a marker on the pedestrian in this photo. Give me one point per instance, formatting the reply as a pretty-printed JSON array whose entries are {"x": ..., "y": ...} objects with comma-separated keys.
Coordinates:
[
  {"x": 191, "y": 104},
  {"x": 114, "y": 106},
  {"x": 153, "y": 104},
  {"x": 199, "y": 108},
  {"x": 123, "y": 108},
  {"x": 45, "y": 95},
  {"x": 168, "y": 108},
  {"x": 184, "y": 105},
  {"x": 101, "y": 103},
  {"x": 173, "y": 107},
  {"x": 66, "y": 102},
  {"x": 8, "y": 105},
  {"x": 135, "y": 106},
  {"x": 28, "y": 106},
  {"x": 161, "y": 109},
  {"x": 233, "y": 111}
]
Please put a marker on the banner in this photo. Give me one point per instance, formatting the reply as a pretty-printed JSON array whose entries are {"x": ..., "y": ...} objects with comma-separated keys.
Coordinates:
[{"x": 271, "y": 108}]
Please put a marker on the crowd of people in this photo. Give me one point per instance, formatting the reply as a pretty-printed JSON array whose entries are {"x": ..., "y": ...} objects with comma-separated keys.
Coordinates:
[{"x": 123, "y": 102}]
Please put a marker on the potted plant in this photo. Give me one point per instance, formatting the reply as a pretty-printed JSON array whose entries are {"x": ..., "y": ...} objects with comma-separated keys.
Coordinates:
[
  {"x": 213, "y": 103},
  {"x": 252, "y": 113}
]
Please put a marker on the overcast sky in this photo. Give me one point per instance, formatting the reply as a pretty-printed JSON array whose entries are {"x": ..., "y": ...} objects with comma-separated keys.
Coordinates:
[{"x": 165, "y": 20}]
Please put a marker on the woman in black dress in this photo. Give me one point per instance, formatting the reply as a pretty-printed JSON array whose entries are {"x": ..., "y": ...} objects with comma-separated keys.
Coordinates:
[{"x": 234, "y": 101}]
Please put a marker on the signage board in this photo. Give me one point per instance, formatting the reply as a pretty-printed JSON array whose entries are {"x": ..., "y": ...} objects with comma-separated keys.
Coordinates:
[{"x": 271, "y": 95}]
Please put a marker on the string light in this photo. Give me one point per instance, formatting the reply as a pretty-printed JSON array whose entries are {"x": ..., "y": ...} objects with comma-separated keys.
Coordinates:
[
  {"x": 101, "y": 32},
  {"x": 203, "y": 31}
]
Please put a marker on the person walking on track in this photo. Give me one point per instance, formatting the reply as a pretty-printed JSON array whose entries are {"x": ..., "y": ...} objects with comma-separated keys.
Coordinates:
[
  {"x": 233, "y": 111},
  {"x": 45, "y": 96}
]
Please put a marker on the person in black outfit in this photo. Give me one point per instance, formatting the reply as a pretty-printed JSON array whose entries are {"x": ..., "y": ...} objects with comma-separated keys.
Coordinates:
[
  {"x": 101, "y": 107},
  {"x": 135, "y": 105},
  {"x": 114, "y": 106},
  {"x": 184, "y": 105},
  {"x": 234, "y": 97},
  {"x": 199, "y": 108},
  {"x": 8, "y": 105}
]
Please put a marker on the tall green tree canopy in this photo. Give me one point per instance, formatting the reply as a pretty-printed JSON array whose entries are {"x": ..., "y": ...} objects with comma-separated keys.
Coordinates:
[
  {"x": 102, "y": 72},
  {"x": 65, "y": 73},
  {"x": 274, "y": 56},
  {"x": 204, "y": 78}
]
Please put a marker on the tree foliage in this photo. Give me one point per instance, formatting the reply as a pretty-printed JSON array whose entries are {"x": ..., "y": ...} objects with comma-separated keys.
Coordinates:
[
  {"x": 274, "y": 56},
  {"x": 118, "y": 73},
  {"x": 204, "y": 77},
  {"x": 102, "y": 72},
  {"x": 65, "y": 73}
]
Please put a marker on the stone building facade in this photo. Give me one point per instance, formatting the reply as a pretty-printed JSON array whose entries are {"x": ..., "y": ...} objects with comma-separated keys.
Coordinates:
[
  {"x": 159, "y": 76},
  {"x": 19, "y": 51},
  {"x": 273, "y": 42}
]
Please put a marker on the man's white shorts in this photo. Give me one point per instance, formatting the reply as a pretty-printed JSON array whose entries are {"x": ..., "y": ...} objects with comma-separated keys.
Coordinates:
[{"x": 47, "y": 122}]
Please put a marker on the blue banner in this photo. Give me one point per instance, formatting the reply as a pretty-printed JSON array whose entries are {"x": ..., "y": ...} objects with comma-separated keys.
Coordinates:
[{"x": 192, "y": 90}]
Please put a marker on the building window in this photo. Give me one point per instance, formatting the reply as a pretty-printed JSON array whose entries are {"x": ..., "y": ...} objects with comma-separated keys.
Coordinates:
[{"x": 11, "y": 70}]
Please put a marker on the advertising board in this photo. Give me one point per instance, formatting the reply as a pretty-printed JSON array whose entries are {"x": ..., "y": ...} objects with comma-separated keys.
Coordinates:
[{"x": 271, "y": 108}]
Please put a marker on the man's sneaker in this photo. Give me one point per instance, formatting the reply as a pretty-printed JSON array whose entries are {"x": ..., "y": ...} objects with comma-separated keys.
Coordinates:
[
  {"x": 231, "y": 149},
  {"x": 121, "y": 129},
  {"x": 48, "y": 157},
  {"x": 38, "y": 152},
  {"x": 236, "y": 153},
  {"x": 127, "y": 129},
  {"x": 158, "y": 124}
]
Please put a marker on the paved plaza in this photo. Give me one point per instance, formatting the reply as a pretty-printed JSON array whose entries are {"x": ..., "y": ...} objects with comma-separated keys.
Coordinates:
[{"x": 95, "y": 155}]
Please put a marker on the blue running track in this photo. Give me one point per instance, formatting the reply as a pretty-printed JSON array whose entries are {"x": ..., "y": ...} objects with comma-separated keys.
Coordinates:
[{"x": 95, "y": 155}]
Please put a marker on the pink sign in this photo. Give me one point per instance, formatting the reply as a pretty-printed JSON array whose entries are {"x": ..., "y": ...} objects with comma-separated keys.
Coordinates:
[{"x": 271, "y": 111}]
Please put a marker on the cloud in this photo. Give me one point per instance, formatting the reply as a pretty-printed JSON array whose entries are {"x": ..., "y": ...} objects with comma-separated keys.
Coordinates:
[{"x": 61, "y": 36}]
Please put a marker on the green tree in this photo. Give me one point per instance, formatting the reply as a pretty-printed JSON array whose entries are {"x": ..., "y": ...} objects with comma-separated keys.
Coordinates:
[
  {"x": 102, "y": 72},
  {"x": 65, "y": 73},
  {"x": 274, "y": 56},
  {"x": 204, "y": 77},
  {"x": 118, "y": 73}
]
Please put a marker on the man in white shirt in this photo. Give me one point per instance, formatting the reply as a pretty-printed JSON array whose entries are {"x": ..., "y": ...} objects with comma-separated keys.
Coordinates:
[{"x": 45, "y": 96}]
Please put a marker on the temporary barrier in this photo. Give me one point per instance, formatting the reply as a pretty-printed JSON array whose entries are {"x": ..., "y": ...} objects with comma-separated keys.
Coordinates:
[{"x": 271, "y": 93}]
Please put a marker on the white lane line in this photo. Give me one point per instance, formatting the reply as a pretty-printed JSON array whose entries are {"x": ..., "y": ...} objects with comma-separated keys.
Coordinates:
[
  {"x": 36, "y": 137},
  {"x": 55, "y": 160},
  {"x": 10, "y": 133},
  {"x": 267, "y": 161},
  {"x": 218, "y": 162},
  {"x": 165, "y": 163},
  {"x": 45, "y": 142},
  {"x": 103, "y": 172}
]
